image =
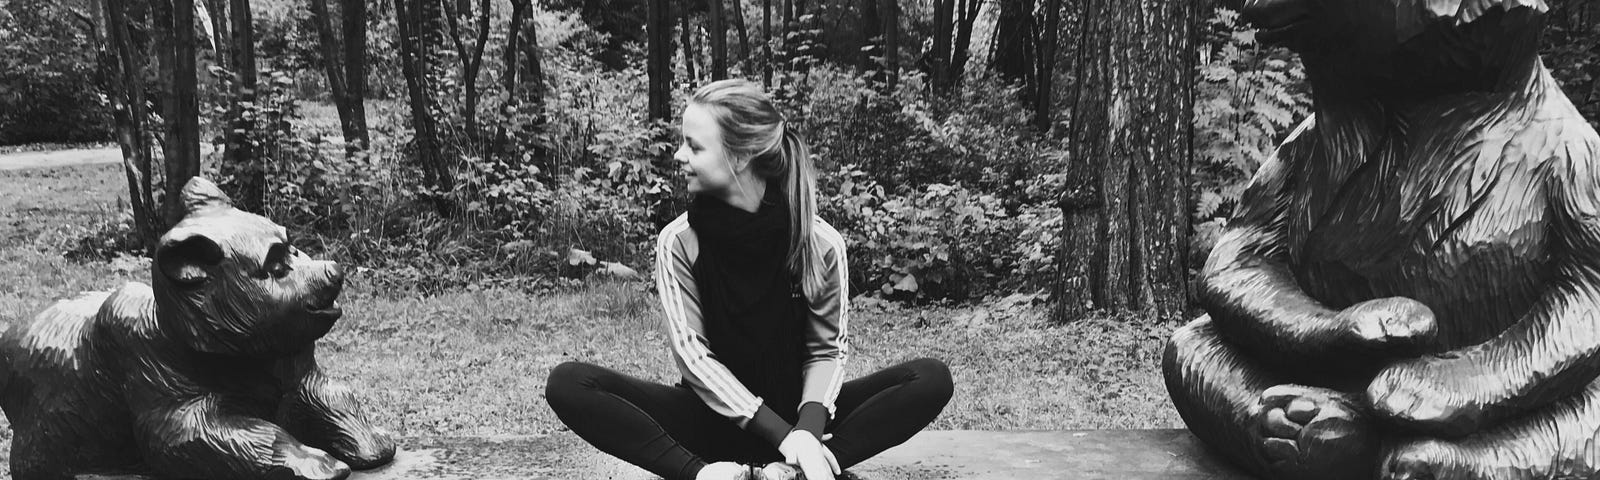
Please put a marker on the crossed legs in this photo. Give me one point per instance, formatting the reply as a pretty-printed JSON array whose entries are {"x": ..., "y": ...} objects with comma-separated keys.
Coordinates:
[{"x": 670, "y": 432}]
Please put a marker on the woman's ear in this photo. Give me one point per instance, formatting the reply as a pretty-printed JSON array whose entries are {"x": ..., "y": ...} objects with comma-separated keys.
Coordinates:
[{"x": 737, "y": 166}]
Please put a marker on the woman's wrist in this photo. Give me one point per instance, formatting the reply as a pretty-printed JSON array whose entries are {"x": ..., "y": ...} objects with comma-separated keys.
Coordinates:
[
  {"x": 813, "y": 419},
  {"x": 768, "y": 425}
]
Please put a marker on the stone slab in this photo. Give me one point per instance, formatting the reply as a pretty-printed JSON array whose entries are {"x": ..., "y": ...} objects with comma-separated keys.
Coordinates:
[{"x": 931, "y": 455}]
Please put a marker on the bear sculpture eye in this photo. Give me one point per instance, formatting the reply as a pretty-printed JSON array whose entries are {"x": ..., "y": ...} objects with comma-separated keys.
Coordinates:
[{"x": 277, "y": 261}]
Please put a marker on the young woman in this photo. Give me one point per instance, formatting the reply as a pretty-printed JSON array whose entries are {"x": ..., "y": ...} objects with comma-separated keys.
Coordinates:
[{"x": 754, "y": 288}]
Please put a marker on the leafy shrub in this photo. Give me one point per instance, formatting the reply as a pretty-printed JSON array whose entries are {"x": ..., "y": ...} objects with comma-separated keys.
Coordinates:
[
  {"x": 945, "y": 242},
  {"x": 931, "y": 193},
  {"x": 1248, "y": 98}
]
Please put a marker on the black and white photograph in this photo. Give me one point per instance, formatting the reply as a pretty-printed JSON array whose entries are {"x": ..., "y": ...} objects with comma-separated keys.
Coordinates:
[{"x": 799, "y": 239}]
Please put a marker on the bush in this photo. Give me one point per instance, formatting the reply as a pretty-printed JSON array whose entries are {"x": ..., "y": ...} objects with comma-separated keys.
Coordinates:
[{"x": 946, "y": 242}]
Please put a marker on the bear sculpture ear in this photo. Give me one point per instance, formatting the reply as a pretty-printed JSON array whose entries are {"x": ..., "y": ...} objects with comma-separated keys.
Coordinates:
[
  {"x": 185, "y": 258},
  {"x": 200, "y": 194}
]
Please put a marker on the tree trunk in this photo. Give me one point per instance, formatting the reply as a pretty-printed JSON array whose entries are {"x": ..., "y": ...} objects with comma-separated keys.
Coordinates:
[
  {"x": 686, "y": 44},
  {"x": 766, "y": 43},
  {"x": 414, "y": 25},
  {"x": 240, "y": 154},
  {"x": 180, "y": 107},
  {"x": 717, "y": 36},
  {"x": 533, "y": 59},
  {"x": 786, "y": 12},
  {"x": 744, "y": 32},
  {"x": 889, "y": 11},
  {"x": 961, "y": 49},
  {"x": 331, "y": 65},
  {"x": 1131, "y": 129},
  {"x": 508, "y": 78},
  {"x": 1011, "y": 53},
  {"x": 471, "y": 59},
  {"x": 938, "y": 56},
  {"x": 124, "y": 62},
  {"x": 355, "y": 71},
  {"x": 658, "y": 21},
  {"x": 219, "y": 32},
  {"x": 1044, "y": 78},
  {"x": 869, "y": 23},
  {"x": 345, "y": 67}
]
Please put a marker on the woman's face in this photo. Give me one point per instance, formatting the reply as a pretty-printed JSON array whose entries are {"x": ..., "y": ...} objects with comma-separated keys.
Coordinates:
[{"x": 701, "y": 156}]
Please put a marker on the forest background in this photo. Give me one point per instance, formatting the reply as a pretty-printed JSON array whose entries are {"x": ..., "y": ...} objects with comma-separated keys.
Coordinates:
[
  {"x": 1027, "y": 186},
  {"x": 1025, "y": 150}
]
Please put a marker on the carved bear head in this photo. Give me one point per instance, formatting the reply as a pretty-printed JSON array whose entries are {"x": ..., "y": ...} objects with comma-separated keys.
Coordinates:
[
  {"x": 229, "y": 282},
  {"x": 1405, "y": 47}
]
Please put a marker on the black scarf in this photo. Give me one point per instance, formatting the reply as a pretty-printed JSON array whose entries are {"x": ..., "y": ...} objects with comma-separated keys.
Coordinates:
[{"x": 751, "y": 319}]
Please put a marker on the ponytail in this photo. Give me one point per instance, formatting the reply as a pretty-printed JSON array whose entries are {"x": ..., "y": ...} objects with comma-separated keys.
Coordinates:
[{"x": 801, "y": 188}]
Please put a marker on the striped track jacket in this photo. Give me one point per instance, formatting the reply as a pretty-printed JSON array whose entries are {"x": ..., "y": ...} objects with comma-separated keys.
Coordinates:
[{"x": 826, "y": 338}]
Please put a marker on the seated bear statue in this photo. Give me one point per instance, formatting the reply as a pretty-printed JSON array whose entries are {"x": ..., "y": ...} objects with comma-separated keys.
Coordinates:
[
  {"x": 1410, "y": 287},
  {"x": 208, "y": 373}
]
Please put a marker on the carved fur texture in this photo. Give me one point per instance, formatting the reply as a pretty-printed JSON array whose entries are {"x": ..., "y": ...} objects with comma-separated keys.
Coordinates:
[
  {"x": 209, "y": 372},
  {"x": 1411, "y": 288}
]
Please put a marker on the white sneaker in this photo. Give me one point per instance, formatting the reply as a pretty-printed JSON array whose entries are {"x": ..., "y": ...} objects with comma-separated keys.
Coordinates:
[
  {"x": 779, "y": 471},
  {"x": 724, "y": 471}
]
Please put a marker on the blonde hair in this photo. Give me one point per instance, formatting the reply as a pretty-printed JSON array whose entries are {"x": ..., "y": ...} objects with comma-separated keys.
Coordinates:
[{"x": 752, "y": 128}]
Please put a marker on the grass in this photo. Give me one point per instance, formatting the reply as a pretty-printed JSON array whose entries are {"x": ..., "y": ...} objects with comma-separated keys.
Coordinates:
[{"x": 473, "y": 361}]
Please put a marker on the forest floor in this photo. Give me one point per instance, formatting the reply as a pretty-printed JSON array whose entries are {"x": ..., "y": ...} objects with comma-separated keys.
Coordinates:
[{"x": 473, "y": 362}]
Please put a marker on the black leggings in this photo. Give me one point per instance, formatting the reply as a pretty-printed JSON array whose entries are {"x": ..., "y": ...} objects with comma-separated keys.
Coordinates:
[{"x": 670, "y": 432}]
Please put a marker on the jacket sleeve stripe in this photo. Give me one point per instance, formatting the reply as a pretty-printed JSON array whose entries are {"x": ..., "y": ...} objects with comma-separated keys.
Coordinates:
[
  {"x": 684, "y": 343},
  {"x": 841, "y": 267}
]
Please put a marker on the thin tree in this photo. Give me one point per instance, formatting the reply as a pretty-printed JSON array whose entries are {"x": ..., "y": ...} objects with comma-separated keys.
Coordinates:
[
  {"x": 870, "y": 27},
  {"x": 966, "y": 18},
  {"x": 123, "y": 59},
  {"x": 508, "y": 77},
  {"x": 471, "y": 59},
  {"x": 717, "y": 36},
  {"x": 239, "y": 155},
  {"x": 346, "y": 67},
  {"x": 953, "y": 22},
  {"x": 889, "y": 12},
  {"x": 766, "y": 43},
  {"x": 522, "y": 62},
  {"x": 938, "y": 56},
  {"x": 533, "y": 59},
  {"x": 658, "y": 59},
  {"x": 686, "y": 44},
  {"x": 1011, "y": 46},
  {"x": 1011, "y": 49},
  {"x": 220, "y": 39},
  {"x": 180, "y": 106},
  {"x": 739, "y": 26},
  {"x": 1044, "y": 76},
  {"x": 415, "y": 19},
  {"x": 1131, "y": 141}
]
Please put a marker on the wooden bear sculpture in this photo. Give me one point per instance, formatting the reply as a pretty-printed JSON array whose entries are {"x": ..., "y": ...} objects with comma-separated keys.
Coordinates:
[
  {"x": 209, "y": 372},
  {"x": 1410, "y": 289}
]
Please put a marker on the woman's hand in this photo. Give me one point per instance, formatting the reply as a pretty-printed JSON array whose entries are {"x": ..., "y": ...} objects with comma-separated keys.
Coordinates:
[{"x": 814, "y": 458}]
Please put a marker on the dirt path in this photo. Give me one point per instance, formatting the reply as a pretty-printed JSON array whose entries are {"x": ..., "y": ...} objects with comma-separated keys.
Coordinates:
[
  {"x": 71, "y": 157},
  {"x": 59, "y": 158}
]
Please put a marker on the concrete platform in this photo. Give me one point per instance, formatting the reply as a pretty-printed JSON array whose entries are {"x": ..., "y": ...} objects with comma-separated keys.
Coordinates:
[{"x": 977, "y": 455}]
